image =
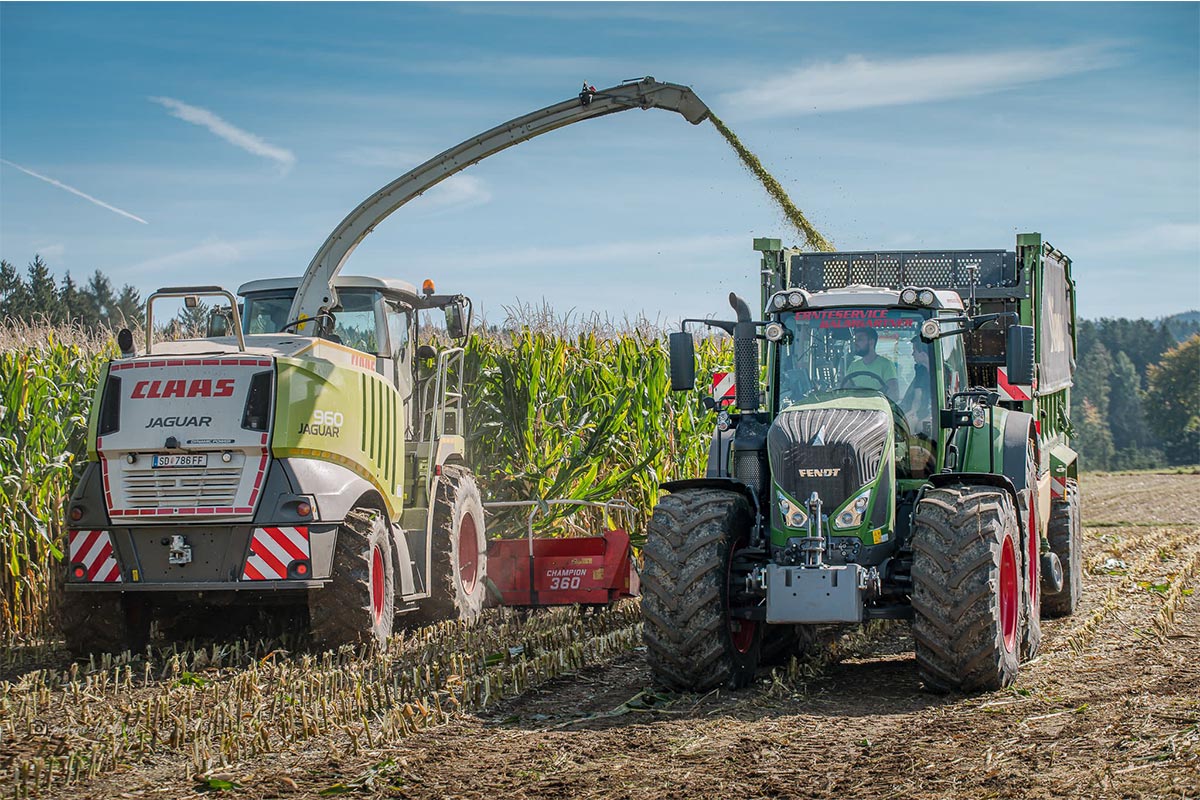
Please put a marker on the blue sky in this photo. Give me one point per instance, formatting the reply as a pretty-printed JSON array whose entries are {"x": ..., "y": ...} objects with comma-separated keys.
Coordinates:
[{"x": 222, "y": 142}]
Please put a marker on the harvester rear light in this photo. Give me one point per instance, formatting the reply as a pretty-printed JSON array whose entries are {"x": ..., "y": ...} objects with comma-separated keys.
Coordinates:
[
  {"x": 76, "y": 513},
  {"x": 303, "y": 508},
  {"x": 299, "y": 569},
  {"x": 257, "y": 415},
  {"x": 79, "y": 571},
  {"x": 109, "y": 419}
]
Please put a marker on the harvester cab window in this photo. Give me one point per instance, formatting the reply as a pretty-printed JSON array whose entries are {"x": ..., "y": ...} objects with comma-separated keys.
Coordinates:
[
  {"x": 267, "y": 312},
  {"x": 399, "y": 323},
  {"x": 354, "y": 320}
]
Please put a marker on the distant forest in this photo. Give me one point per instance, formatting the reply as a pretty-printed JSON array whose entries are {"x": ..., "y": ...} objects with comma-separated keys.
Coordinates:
[{"x": 1135, "y": 404}]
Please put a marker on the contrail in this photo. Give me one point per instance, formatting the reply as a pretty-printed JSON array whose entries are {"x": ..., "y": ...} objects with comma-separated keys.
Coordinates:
[
  {"x": 227, "y": 131},
  {"x": 75, "y": 191}
]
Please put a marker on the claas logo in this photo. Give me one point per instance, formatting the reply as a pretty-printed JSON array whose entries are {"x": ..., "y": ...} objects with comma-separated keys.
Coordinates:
[{"x": 203, "y": 387}]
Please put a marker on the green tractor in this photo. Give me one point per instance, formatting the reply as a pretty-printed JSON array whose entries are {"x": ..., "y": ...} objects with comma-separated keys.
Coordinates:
[{"x": 909, "y": 459}]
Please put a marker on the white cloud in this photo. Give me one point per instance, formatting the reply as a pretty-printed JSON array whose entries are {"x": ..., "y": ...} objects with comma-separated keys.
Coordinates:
[
  {"x": 457, "y": 191},
  {"x": 74, "y": 191},
  {"x": 860, "y": 82},
  {"x": 210, "y": 255},
  {"x": 247, "y": 141}
]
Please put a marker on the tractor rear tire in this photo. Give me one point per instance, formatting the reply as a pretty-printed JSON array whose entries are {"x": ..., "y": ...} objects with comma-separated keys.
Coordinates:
[
  {"x": 103, "y": 622},
  {"x": 458, "y": 583},
  {"x": 966, "y": 574},
  {"x": 691, "y": 642},
  {"x": 1065, "y": 531},
  {"x": 356, "y": 606}
]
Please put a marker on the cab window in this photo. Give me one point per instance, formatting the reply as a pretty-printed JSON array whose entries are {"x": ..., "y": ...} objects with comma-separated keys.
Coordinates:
[{"x": 354, "y": 321}]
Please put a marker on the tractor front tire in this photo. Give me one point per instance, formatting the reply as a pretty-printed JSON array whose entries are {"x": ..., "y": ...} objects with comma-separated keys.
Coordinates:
[
  {"x": 458, "y": 583},
  {"x": 103, "y": 622},
  {"x": 1065, "y": 532},
  {"x": 967, "y": 595},
  {"x": 692, "y": 644},
  {"x": 356, "y": 606}
]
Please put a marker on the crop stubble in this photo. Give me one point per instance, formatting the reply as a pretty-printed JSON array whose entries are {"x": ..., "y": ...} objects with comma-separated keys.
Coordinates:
[{"x": 1110, "y": 708}]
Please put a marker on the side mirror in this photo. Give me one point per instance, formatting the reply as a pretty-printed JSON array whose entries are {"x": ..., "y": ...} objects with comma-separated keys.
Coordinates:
[
  {"x": 683, "y": 362},
  {"x": 455, "y": 328},
  {"x": 1018, "y": 354}
]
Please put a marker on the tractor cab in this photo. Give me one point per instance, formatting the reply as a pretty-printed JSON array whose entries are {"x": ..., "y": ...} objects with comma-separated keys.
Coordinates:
[{"x": 860, "y": 342}]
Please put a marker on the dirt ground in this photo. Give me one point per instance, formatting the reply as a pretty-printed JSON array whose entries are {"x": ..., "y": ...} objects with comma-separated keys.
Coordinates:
[{"x": 1109, "y": 709}]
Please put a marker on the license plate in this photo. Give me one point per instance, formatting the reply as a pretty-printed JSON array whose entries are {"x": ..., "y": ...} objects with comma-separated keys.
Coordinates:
[{"x": 181, "y": 461}]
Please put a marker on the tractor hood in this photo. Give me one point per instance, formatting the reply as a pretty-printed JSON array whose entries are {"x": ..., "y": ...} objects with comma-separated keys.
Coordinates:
[{"x": 836, "y": 445}]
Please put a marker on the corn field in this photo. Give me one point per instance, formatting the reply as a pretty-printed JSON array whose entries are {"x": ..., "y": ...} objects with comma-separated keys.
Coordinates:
[{"x": 583, "y": 414}]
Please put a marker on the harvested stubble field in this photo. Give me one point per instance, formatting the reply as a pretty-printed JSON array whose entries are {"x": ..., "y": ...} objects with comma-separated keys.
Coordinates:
[{"x": 1111, "y": 708}]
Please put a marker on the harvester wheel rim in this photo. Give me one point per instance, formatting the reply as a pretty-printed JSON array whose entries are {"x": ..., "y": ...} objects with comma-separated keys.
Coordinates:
[
  {"x": 378, "y": 599},
  {"x": 468, "y": 553},
  {"x": 1010, "y": 590}
]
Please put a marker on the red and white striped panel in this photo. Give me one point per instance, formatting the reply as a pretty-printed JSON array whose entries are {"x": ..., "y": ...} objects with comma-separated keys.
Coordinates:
[
  {"x": 1058, "y": 486},
  {"x": 1011, "y": 391},
  {"x": 94, "y": 550},
  {"x": 723, "y": 389},
  {"x": 271, "y": 550}
]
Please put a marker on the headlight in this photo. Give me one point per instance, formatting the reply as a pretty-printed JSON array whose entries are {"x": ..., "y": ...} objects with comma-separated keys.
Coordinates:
[
  {"x": 978, "y": 417},
  {"x": 908, "y": 296},
  {"x": 930, "y": 329},
  {"x": 852, "y": 515},
  {"x": 926, "y": 297},
  {"x": 793, "y": 514},
  {"x": 796, "y": 299},
  {"x": 780, "y": 301},
  {"x": 773, "y": 331}
]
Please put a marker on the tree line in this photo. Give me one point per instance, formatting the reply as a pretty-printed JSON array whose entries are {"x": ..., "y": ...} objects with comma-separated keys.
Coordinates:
[
  {"x": 1136, "y": 399},
  {"x": 1135, "y": 404},
  {"x": 35, "y": 297}
]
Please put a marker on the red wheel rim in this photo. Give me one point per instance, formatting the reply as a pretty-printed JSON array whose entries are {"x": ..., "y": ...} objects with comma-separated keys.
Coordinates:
[
  {"x": 468, "y": 553},
  {"x": 1009, "y": 580},
  {"x": 741, "y": 631},
  {"x": 377, "y": 592},
  {"x": 1034, "y": 542}
]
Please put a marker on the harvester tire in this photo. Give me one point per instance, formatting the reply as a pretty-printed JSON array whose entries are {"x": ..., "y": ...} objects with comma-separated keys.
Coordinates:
[
  {"x": 691, "y": 642},
  {"x": 1066, "y": 541},
  {"x": 103, "y": 622},
  {"x": 967, "y": 575},
  {"x": 356, "y": 606},
  {"x": 458, "y": 583}
]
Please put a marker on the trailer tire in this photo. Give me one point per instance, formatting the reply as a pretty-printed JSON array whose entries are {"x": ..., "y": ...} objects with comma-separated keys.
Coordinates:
[
  {"x": 458, "y": 583},
  {"x": 103, "y": 622},
  {"x": 691, "y": 643},
  {"x": 1065, "y": 533},
  {"x": 356, "y": 606},
  {"x": 966, "y": 575}
]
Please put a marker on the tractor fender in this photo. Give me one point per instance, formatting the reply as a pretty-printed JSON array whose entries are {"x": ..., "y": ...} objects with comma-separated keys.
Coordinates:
[
  {"x": 976, "y": 479},
  {"x": 1018, "y": 429},
  {"x": 726, "y": 484}
]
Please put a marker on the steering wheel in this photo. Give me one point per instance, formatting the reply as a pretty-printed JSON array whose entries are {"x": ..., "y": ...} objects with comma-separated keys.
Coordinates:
[
  {"x": 845, "y": 384},
  {"x": 314, "y": 318}
]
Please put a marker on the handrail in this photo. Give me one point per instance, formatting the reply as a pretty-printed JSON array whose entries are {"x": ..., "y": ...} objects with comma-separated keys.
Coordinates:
[{"x": 193, "y": 291}]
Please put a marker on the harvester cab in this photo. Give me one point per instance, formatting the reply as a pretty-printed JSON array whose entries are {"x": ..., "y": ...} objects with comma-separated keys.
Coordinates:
[
  {"x": 903, "y": 466},
  {"x": 310, "y": 451}
]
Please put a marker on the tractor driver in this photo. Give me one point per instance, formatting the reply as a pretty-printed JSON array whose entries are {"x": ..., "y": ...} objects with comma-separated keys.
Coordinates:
[{"x": 870, "y": 362}]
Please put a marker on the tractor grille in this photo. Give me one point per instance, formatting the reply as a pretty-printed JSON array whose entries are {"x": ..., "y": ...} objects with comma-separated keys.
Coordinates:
[
  {"x": 174, "y": 488},
  {"x": 847, "y": 443},
  {"x": 999, "y": 274}
]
